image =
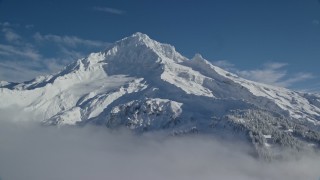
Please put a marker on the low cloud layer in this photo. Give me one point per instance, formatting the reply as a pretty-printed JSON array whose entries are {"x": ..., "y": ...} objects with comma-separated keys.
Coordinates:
[{"x": 32, "y": 152}]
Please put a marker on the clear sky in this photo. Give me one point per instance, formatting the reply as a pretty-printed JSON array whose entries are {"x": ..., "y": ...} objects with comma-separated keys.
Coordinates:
[{"x": 272, "y": 41}]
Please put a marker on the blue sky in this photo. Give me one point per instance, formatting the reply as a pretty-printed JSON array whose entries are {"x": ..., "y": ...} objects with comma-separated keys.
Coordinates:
[{"x": 271, "y": 41}]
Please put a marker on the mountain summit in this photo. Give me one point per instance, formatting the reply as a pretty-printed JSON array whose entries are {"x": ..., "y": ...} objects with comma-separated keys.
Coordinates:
[{"x": 147, "y": 86}]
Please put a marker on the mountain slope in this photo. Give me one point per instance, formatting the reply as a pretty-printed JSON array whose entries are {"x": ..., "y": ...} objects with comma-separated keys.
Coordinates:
[{"x": 148, "y": 86}]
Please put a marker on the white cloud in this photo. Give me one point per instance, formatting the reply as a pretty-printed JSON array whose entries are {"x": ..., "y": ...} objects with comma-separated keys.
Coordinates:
[
  {"x": 297, "y": 78},
  {"x": 6, "y": 24},
  {"x": 109, "y": 10},
  {"x": 10, "y": 35},
  {"x": 32, "y": 152},
  {"x": 271, "y": 73},
  {"x": 18, "y": 72},
  {"x": 23, "y": 58},
  {"x": 275, "y": 65},
  {"x": 25, "y": 52},
  {"x": 224, "y": 64},
  {"x": 71, "y": 41}
]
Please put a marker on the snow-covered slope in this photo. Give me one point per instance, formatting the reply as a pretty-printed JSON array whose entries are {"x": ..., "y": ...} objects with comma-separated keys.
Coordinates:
[{"x": 147, "y": 86}]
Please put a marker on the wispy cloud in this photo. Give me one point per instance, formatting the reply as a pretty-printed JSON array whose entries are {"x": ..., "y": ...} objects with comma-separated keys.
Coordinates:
[
  {"x": 299, "y": 77},
  {"x": 23, "y": 52},
  {"x": 23, "y": 58},
  {"x": 5, "y": 24},
  {"x": 109, "y": 10},
  {"x": 10, "y": 35},
  {"x": 20, "y": 71},
  {"x": 71, "y": 41},
  {"x": 224, "y": 64},
  {"x": 272, "y": 73}
]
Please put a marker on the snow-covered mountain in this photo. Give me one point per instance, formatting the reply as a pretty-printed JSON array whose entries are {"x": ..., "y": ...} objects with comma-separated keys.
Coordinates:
[{"x": 148, "y": 86}]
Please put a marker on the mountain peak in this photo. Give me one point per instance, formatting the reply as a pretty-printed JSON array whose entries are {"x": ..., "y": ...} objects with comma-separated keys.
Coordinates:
[
  {"x": 140, "y": 35},
  {"x": 146, "y": 85},
  {"x": 137, "y": 38},
  {"x": 141, "y": 48}
]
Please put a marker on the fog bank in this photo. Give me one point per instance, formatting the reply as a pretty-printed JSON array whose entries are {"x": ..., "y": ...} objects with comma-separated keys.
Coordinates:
[{"x": 33, "y": 152}]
